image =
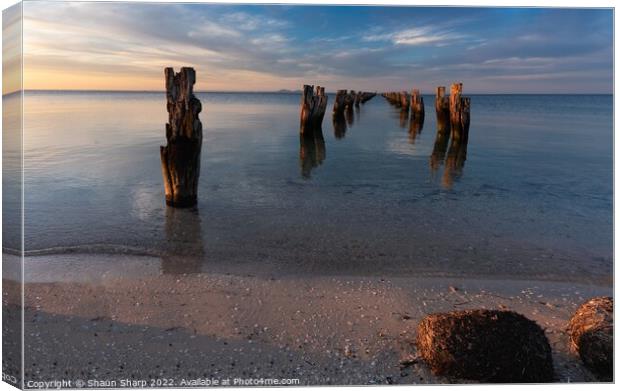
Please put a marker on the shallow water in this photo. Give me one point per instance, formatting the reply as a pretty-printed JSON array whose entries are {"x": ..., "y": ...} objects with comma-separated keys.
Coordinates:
[{"x": 533, "y": 198}]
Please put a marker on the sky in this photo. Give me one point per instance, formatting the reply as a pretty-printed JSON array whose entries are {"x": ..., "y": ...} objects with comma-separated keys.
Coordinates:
[{"x": 125, "y": 46}]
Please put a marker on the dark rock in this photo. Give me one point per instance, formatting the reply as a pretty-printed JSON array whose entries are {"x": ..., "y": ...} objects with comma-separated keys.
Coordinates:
[
  {"x": 591, "y": 332},
  {"x": 485, "y": 345}
]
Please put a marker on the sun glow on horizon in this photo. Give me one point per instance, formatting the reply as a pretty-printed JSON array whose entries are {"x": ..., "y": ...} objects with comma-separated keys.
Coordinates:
[{"x": 126, "y": 46}]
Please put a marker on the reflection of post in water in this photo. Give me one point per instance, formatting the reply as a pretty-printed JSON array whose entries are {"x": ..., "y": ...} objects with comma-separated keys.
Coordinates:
[
  {"x": 403, "y": 116},
  {"x": 349, "y": 116},
  {"x": 440, "y": 147},
  {"x": 415, "y": 127},
  {"x": 184, "y": 251},
  {"x": 311, "y": 151},
  {"x": 340, "y": 125},
  {"x": 455, "y": 161}
]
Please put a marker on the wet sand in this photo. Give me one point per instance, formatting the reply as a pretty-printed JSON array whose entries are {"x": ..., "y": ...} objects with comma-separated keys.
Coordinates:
[{"x": 318, "y": 329}]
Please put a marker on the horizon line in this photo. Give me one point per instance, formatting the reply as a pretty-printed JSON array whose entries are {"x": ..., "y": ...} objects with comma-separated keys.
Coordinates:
[{"x": 287, "y": 91}]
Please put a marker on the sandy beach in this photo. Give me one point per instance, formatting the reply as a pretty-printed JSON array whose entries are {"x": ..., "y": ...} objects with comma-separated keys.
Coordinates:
[{"x": 318, "y": 329}]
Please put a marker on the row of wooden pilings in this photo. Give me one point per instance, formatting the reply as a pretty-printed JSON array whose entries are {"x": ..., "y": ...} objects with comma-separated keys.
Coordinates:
[
  {"x": 314, "y": 105},
  {"x": 453, "y": 117},
  {"x": 402, "y": 99},
  {"x": 180, "y": 158},
  {"x": 452, "y": 111}
]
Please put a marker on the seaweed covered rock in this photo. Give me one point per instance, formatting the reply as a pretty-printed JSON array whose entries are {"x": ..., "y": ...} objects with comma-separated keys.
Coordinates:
[
  {"x": 591, "y": 332},
  {"x": 485, "y": 345}
]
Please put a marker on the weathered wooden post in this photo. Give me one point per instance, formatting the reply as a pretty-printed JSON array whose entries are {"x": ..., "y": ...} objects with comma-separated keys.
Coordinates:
[
  {"x": 313, "y": 107},
  {"x": 404, "y": 101},
  {"x": 417, "y": 105},
  {"x": 416, "y": 121},
  {"x": 349, "y": 100},
  {"x": 180, "y": 158},
  {"x": 339, "y": 102},
  {"x": 442, "y": 109},
  {"x": 459, "y": 112}
]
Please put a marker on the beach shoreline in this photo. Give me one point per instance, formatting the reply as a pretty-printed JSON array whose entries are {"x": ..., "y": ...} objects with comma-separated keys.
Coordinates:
[{"x": 318, "y": 329}]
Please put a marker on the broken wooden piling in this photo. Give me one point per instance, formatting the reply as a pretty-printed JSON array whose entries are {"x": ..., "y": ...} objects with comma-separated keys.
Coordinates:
[
  {"x": 313, "y": 105},
  {"x": 416, "y": 120},
  {"x": 459, "y": 112},
  {"x": 404, "y": 100},
  {"x": 180, "y": 158},
  {"x": 339, "y": 102},
  {"x": 417, "y": 105},
  {"x": 349, "y": 101},
  {"x": 442, "y": 109}
]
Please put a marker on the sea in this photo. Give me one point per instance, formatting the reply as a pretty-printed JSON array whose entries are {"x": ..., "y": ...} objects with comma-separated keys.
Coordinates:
[{"x": 531, "y": 196}]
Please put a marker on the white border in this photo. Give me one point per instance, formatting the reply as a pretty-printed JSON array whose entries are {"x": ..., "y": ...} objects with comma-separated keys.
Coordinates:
[{"x": 479, "y": 3}]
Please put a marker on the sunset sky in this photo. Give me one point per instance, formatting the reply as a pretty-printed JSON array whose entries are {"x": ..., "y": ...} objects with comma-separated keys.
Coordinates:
[{"x": 125, "y": 46}]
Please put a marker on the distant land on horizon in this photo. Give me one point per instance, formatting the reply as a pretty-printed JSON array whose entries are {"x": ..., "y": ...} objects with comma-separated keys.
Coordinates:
[{"x": 290, "y": 92}]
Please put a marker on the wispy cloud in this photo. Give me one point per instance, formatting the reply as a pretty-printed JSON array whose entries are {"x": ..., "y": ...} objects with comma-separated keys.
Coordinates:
[
  {"x": 242, "y": 47},
  {"x": 416, "y": 36}
]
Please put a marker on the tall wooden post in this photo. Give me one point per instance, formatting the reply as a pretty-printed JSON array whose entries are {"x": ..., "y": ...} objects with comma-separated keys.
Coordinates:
[
  {"x": 313, "y": 107},
  {"x": 339, "y": 102},
  {"x": 180, "y": 158},
  {"x": 442, "y": 109},
  {"x": 417, "y": 105},
  {"x": 459, "y": 112},
  {"x": 358, "y": 98},
  {"x": 349, "y": 101},
  {"x": 404, "y": 101}
]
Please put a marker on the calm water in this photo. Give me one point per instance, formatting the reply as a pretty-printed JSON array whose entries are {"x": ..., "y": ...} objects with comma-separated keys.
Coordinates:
[{"x": 534, "y": 197}]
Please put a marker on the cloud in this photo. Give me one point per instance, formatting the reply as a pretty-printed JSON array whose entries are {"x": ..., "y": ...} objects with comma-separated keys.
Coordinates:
[
  {"x": 241, "y": 47},
  {"x": 417, "y": 36},
  {"x": 11, "y": 49}
]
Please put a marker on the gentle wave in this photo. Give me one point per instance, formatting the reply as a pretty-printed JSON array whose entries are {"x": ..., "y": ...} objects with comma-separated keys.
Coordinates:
[{"x": 107, "y": 249}]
